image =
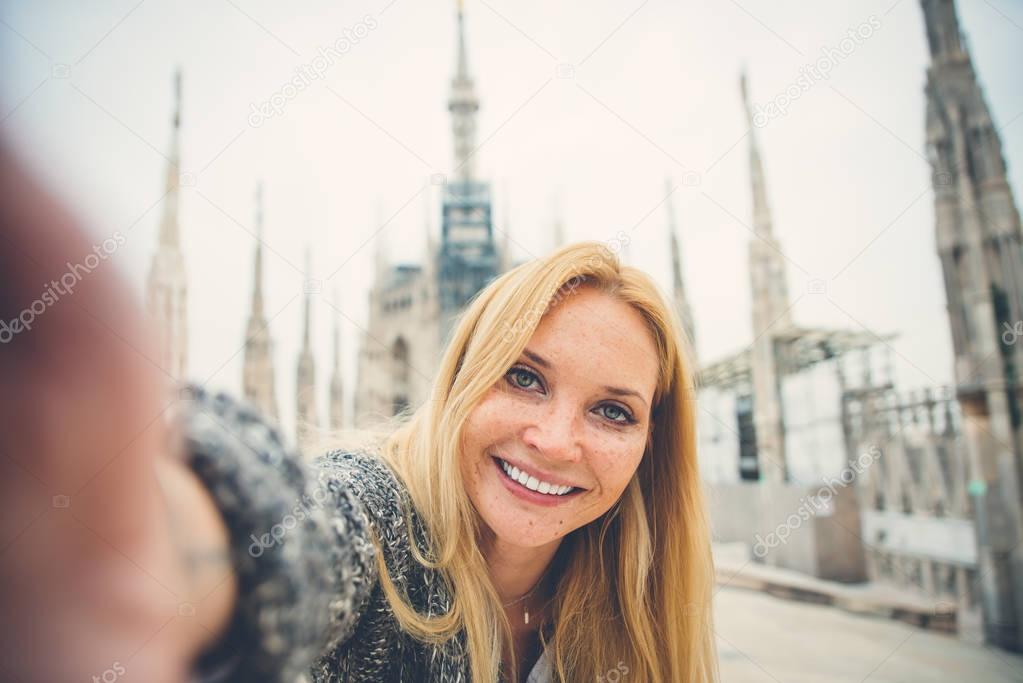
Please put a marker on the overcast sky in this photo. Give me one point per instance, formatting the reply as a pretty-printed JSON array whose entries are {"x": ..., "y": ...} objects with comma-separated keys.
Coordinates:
[{"x": 590, "y": 106}]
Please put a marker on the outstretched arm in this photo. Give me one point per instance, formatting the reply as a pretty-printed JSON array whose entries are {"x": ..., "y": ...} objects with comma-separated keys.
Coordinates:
[
  {"x": 299, "y": 541},
  {"x": 127, "y": 543},
  {"x": 92, "y": 575}
]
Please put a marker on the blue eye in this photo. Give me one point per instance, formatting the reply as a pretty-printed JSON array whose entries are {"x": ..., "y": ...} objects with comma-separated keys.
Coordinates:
[
  {"x": 517, "y": 374},
  {"x": 625, "y": 415}
]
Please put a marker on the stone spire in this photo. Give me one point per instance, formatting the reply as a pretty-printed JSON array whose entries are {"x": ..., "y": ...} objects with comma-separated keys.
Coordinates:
[
  {"x": 337, "y": 411},
  {"x": 166, "y": 285},
  {"x": 381, "y": 266},
  {"x": 258, "y": 370},
  {"x": 770, "y": 316},
  {"x": 761, "y": 212},
  {"x": 463, "y": 105},
  {"x": 430, "y": 262},
  {"x": 767, "y": 265},
  {"x": 944, "y": 39},
  {"x": 685, "y": 312},
  {"x": 981, "y": 251},
  {"x": 306, "y": 421},
  {"x": 169, "y": 230},
  {"x": 559, "y": 223},
  {"x": 469, "y": 257},
  {"x": 505, "y": 251}
]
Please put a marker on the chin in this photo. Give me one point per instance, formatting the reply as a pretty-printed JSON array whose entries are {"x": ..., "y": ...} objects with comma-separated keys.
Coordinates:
[
  {"x": 523, "y": 526},
  {"x": 511, "y": 533}
]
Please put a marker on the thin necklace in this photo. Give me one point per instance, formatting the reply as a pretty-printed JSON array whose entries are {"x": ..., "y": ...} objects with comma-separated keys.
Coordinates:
[{"x": 531, "y": 591}]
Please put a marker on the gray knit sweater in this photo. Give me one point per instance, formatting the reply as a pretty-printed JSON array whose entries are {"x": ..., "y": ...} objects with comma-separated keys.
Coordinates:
[{"x": 309, "y": 595}]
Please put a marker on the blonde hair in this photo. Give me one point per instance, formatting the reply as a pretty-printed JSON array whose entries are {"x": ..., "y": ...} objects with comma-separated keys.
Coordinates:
[{"x": 637, "y": 586}]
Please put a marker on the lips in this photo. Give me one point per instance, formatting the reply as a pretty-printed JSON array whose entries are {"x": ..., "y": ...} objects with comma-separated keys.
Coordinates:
[
  {"x": 525, "y": 493},
  {"x": 530, "y": 471},
  {"x": 532, "y": 483}
]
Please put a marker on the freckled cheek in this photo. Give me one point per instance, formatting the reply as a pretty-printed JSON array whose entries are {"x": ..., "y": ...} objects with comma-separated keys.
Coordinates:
[
  {"x": 614, "y": 468},
  {"x": 501, "y": 418},
  {"x": 493, "y": 421}
]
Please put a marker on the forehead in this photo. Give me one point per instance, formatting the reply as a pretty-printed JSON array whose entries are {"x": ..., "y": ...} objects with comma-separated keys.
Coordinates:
[{"x": 596, "y": 336}]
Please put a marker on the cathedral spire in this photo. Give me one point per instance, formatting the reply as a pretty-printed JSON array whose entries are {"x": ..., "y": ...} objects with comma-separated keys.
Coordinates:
[
  {"x": 336, "y": 386},
  {"x": 380, "y": 264},
  {"x": 771, "y": 315},
  {"x": 944, "y": 38},
  {"x": 258, "y": 370},
  {"x": 559, "y": 223},
  {"x": 463, "y": 59},
  {"x": 169, "y": 233},
  {"x": 257, "y": 277},
  {"x": 980, "y": 244},
  {"x": 767, "y": 265},
  {"x": 468, "y": 257},
  {"x": 166, "y": 286},
  {"x": 761, "y": 212},
  {"x": 306, "y": 421},
  {"x": 431, "y": 246},
  {"x": 685, "y": 312},
  {"x": 506, "y": 260},
  {"x": 305, "y": 328},
  {"x": 463, "y": 105}
]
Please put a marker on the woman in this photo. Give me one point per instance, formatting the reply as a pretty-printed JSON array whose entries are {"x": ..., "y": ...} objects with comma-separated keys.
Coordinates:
[{"x": 539, "y": 516}]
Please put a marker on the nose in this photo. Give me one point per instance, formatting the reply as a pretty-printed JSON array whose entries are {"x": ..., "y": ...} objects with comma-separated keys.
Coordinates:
[{"x": 556, "y": 432}]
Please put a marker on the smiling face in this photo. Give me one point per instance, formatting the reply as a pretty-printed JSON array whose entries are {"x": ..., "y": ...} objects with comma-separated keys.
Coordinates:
[{"x": 573, "y": 410}]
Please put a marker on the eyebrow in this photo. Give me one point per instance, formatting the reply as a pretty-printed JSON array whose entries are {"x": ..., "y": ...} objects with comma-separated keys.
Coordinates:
[
  {"x": 536, "y": 358},
  {"x": 617, "y": 391}
]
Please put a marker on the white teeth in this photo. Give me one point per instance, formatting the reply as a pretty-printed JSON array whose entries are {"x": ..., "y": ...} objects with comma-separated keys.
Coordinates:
[{"x": 534, "y": 484}]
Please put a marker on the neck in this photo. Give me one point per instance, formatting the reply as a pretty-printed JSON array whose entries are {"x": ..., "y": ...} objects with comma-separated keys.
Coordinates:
[{"x": 515, "y": 570}]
